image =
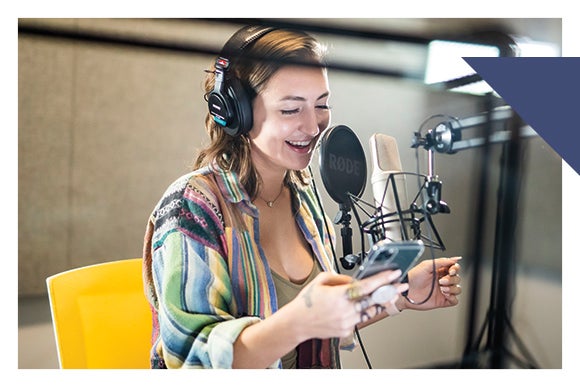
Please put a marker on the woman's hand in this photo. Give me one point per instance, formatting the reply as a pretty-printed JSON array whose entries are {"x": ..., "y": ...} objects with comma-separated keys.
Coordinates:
[
  {"x": 333, "y": 304},
  {"x": 446, "y": 288}
]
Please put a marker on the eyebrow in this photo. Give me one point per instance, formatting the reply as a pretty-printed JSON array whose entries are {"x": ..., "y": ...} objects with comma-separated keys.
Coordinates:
[{"x": 297, "y": 98}]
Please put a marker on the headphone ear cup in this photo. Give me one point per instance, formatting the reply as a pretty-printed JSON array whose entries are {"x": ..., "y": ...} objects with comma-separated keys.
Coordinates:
[
  {"x": 220, "y": 108},
  {"x": 230, "y": 103},
  {"x": 231, "y": 108},
  {"x": 241, "y": 108}
]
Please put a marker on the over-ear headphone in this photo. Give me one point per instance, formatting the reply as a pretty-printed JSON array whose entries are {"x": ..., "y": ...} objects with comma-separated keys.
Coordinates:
[{"x": 229, "y": 102}]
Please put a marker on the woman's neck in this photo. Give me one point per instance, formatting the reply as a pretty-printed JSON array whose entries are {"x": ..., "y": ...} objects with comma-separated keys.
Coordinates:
[
  {"x": 272, "y": 184},
  {"x": 272, "y": 179}
]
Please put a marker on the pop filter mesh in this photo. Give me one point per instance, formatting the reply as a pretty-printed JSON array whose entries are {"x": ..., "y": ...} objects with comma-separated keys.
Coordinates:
[{"x": 343, "y": 166}]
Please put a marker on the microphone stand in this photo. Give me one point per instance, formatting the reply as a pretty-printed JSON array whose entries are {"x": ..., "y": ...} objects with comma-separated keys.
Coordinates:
[
  {"x": 503, "y": 270},
  {"x": 343, "y": 217}
]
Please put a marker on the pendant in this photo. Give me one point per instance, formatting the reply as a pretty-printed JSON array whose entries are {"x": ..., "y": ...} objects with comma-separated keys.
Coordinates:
[{"x": 270, "y": 204}]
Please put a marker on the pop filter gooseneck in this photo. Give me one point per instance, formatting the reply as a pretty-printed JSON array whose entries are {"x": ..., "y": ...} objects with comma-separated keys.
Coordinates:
[{"x": 343, "y": 169}]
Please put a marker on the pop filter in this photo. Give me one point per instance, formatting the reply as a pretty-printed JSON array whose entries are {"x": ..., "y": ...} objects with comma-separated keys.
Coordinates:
[{"x": 343, "y": 166}]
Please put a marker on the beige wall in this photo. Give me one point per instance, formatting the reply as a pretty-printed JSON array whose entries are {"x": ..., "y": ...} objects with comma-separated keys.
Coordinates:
[{"x": 103, "y": 130}]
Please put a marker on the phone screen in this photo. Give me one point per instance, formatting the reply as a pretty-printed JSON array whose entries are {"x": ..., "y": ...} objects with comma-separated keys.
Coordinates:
[{"x": 387, "y": 255}]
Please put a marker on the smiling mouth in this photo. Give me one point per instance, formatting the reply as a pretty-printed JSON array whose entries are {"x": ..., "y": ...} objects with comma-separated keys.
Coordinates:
[{"x": 299, "y": 144}]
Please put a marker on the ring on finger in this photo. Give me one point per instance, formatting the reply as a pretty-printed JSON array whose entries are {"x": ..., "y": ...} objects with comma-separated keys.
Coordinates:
[
  {"x": 353, "y": 292},
  {"x": 362, "y": 305},
  {"x": 383, "y": 294},
  {"x": 364, "y": 316}
]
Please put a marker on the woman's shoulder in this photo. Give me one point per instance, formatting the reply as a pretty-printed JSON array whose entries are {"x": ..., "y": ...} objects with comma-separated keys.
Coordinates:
[
  {"x": 194, "y": 191},
  {"x": 189, "y": 206}
]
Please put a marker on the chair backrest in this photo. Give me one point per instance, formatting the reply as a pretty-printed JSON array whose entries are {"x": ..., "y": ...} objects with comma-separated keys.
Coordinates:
[{"x": 101, "y": 317}]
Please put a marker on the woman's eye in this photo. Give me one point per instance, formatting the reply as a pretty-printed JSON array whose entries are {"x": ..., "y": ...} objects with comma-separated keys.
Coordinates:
[
  {"x": 323, "y": 107},
  {"x": 292, "y": 111}
]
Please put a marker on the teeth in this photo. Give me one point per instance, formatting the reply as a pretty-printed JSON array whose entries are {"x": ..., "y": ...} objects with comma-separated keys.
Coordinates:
[{"x": 299, "y": 143}]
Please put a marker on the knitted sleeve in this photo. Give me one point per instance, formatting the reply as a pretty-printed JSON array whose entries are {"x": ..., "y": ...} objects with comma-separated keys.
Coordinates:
[{"x": 197, "y": 323}]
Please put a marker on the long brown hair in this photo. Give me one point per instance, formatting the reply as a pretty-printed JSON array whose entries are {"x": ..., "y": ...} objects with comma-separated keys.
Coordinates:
[{"x": 233, "y": 153}]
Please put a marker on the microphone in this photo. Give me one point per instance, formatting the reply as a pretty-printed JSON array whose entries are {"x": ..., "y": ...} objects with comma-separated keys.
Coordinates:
[
  {"x": 343, "y": 170},
  {"x": 389, "y": 185}
]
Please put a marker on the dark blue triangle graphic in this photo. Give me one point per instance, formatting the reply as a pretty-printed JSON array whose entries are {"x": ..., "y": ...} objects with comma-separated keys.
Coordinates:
[{"x": 545, "y": 92}]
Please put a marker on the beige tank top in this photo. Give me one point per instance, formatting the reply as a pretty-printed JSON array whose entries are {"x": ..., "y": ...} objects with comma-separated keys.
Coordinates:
[{"x": 286, "y": 291}]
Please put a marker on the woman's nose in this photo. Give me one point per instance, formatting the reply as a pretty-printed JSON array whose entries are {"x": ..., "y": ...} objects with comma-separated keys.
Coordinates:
[{"x": 311, "y": 124}]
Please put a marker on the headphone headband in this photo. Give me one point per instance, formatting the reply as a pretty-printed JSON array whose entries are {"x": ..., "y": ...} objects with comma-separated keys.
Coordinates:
[{"x": 242, "y": 39}]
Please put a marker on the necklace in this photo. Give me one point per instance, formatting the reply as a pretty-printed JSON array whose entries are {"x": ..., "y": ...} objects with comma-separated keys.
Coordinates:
[{"x": 270, "y": 203}]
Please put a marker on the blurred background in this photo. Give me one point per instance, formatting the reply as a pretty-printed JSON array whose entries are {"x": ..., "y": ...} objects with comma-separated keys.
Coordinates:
[{"x": 110, "y": 111}]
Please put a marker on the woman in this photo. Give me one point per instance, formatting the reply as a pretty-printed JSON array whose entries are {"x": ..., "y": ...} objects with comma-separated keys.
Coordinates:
[{"x": 238, "y": 259}]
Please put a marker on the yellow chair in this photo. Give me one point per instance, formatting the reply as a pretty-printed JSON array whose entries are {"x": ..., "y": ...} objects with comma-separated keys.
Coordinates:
[{"x": 100, "y": 315}]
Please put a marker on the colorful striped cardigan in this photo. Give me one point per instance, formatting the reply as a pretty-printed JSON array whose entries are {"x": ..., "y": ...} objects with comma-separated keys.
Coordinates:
[{"x": 206, "y": 275}]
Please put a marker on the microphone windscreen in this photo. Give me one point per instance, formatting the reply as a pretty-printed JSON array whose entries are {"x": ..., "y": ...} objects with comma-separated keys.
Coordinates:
[{"x": 343, "y": 165}]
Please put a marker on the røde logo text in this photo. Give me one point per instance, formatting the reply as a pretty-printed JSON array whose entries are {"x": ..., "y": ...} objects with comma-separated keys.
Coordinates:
[{"x": 343, "y": 164}]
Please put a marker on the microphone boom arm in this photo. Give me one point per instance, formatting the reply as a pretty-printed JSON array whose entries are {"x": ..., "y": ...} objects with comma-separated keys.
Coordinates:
[{"x": 446, "y": 137}]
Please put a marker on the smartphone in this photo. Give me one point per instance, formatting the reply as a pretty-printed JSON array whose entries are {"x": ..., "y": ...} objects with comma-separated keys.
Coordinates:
[{"x": 388, "y": 255}]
